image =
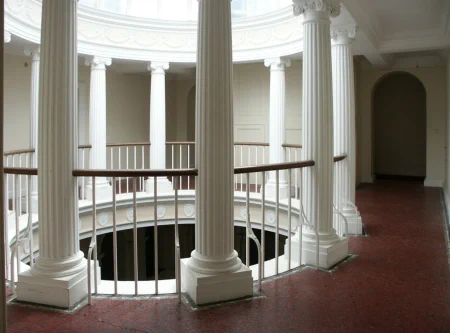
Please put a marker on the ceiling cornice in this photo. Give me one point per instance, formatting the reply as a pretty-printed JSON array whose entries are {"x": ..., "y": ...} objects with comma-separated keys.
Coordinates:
[{"x": 366, "y": 23}]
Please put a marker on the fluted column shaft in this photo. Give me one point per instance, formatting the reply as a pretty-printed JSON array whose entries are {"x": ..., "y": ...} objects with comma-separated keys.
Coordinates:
[
  {"x": 97, "y": 114},
  {"x": 214, "y": 229},
  {"x": 277, "y": 127},
  {"x": 317, "y": 116},
  {"x": 34, "y": 109},
  {"x": 59, "y": 253},
  {"x": 158, "y": 115},
  {"x": 344, "y": 117}
]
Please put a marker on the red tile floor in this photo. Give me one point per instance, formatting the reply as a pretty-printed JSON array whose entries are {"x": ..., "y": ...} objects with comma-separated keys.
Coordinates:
[{"x": 399, "y": 282}]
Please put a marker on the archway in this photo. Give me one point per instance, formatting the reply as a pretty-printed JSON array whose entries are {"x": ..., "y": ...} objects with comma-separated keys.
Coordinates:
[{"x": 399, "y": 120}]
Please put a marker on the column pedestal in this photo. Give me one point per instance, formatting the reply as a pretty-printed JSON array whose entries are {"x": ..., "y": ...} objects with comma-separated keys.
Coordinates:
[
  {"x": 103, "y": 191},
  {"x": 271, "y": 190},
  {"x": 330, "y": 253},
  {"x": 163, "y": 186},
  {"x": 205, "y": 288},
  {"x": 354, "y": 220}
]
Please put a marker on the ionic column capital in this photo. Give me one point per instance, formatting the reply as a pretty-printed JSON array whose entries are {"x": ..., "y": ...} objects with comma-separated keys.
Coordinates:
[
  {"x": 6, "y": 36},
  {"x": 343, "y": 35},
  {"x": 98, "y": 62},
  {"x": 279, "y": 63},
  {"x": 35, "y": 53},
  {"x": 333, "y": 7},
  {"x": 157, "y": 67}
]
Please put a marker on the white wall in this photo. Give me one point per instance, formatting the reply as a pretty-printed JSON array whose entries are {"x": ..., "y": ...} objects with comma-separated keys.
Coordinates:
[
  {"x": 252, "y": 101},
  {"x": 434, "y": 80},
  {"x": 128, "y": 103},
  {"x": 17, "y": 85}
]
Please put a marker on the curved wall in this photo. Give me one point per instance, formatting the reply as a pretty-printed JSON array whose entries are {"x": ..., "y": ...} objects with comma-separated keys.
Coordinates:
[{"x": 125, "y": 37}]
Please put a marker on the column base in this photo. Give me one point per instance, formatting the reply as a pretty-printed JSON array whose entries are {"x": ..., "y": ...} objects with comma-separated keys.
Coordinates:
[
  {"x": 63, "y": 292},
  {"x": 34, "y": 203},
  {"x": 354, "y": 221},
  {"x": 329, "y": 254},
  {"x": 205, "y": 288},
  {"x": 271, "y": 190},
  {"x": 164, "y": 186},
  {"x": 103, "y": 192}
]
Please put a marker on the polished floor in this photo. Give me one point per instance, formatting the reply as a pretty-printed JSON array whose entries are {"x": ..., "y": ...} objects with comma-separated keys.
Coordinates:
[{"x": 398, "y": 282}]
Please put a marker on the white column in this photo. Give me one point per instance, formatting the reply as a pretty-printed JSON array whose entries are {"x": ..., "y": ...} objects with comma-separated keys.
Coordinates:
[
  {"x": 158, "y": 125},
  {"x": 214, "y": 272},
  {"x": 344, "y": 126},
  {"x": 58, "y": 277},
  {"x": 35, "y": 55},
  {"x": 317, "y": 134},
  {"x": 97, "y": 126},
  {"x": 277, "y": 122}
]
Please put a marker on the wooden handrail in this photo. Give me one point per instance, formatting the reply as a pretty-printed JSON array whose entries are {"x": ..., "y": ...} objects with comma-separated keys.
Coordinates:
[
  {"x": 21, "y": 171},
  {"x": 261, "y": 144},
  {"x": 18, "y": 152},
  {"x": 288, "y": 145},
  {"x": 339, "y": 158},
  {"x": 273, "y": 167},
  {"x": 128, "y": 144},
  {"x": 180, "y": 143},
  {"x": 135, "y": 173}
]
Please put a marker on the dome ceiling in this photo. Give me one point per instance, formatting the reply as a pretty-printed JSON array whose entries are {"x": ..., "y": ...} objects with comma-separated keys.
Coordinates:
[{"x": 182, "y": 10}]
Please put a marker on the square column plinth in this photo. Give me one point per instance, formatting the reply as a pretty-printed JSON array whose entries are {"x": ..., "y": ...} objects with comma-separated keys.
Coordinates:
[
  {"x": 354, "y": 221},
  {"x": 205, "y": 289},
  {"x": 329, "y": 255},
  {"x": 163, "y": 186},
  {"x": 65, "y": 292}
]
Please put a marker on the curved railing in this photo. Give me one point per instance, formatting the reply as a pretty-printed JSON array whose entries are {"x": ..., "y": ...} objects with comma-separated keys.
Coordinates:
[{"x": 24, "y": 220}]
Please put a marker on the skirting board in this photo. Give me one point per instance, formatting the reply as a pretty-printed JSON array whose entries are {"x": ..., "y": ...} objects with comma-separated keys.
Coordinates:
[{"x": 433, "y": 183}]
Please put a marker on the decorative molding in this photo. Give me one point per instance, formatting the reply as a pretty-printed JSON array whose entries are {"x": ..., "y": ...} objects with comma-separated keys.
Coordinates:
[
  {"x": 189, "y": 210},
  {"x": 98, "y": 62},
  {"x": 102, "y": 219},
  {"x": 243, "y": 213},
  {"x": 130, "y": 214},
  {"x": 161, "y": 211},
  {"x": 279, "y": 63},
  {"x": 158, "y": 67},
  {"x": 271, "y": 217},
  {"x": 303, "y": 6},
  {"x": 111, "y": 35},
  {"x": 35, "y": 53},
  {"x": 294, "y": 224},
  {"x": 343, "y": 34}
]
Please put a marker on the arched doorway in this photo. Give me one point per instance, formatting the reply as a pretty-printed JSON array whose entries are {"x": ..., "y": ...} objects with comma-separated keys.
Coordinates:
[{"x": 399, "y": 118}]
